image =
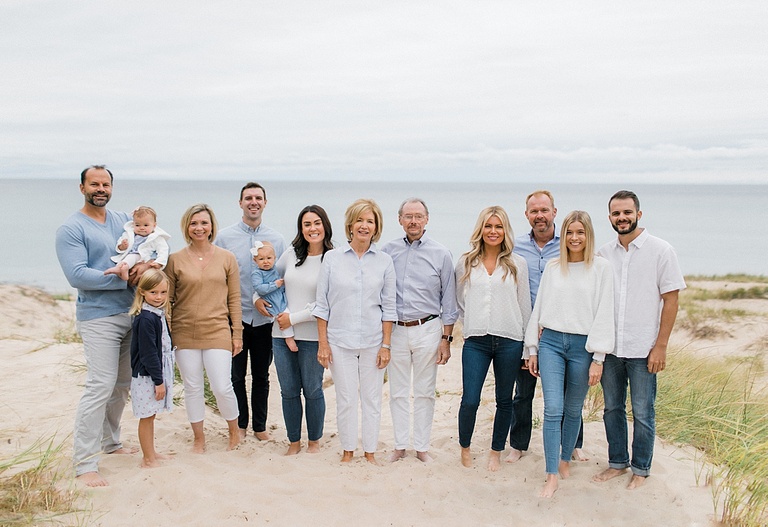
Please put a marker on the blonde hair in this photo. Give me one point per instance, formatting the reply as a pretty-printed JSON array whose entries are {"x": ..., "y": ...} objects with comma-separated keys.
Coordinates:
[
  {"x": 540, "y": 193},
  {"x": 186, "y": 219},
  {"x": 357, "y": 209},
  {"x": 149, "y": 280},
  {"x": 589, "y": 247},
  {"x": 474, "y": 256},
  {"x": 143, "y": 211}
]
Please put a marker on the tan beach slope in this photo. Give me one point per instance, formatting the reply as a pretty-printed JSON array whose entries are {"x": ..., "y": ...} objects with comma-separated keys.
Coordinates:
[{"x": 41, "y": 382}]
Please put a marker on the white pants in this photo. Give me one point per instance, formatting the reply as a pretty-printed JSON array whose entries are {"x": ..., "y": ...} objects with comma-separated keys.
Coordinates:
[
  {"x": 355, "y": 374},
  {"x": 217, "y": 363},
  {"x": 414, "y": 349},
  {"x": 107, "y": 348}
]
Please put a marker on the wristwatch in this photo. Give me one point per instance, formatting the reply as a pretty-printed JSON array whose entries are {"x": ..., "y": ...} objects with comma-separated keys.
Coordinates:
[{"x": 449, "y": 338}]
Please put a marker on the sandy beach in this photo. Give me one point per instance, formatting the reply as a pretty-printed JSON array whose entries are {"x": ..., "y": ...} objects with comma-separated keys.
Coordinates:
[{"x": 257, "y": 485}]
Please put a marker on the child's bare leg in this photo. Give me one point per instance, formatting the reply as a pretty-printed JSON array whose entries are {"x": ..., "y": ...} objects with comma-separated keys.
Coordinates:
[
  {"x": 120, "y": 270},
  {"x": 147, "y": 442},
  {"x": 291, "y": 343},
  {"x": 198, "y": 445}
]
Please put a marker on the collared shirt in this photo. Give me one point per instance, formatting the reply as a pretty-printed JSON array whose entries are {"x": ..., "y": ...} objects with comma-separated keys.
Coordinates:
[
  {"x": 536, "y": 257},
  {"x": 238, "y": 239},
  {"x": 355, "y": 295},
  {"x": 641, "y": 274},
  {"x": 426, "y": 284}
]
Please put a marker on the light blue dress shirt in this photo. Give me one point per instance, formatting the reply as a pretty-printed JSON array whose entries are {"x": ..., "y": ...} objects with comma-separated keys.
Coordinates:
[
  {"x": 238, "y": 239},
  {"x": 536, "y": 258},
  {"x": 426, "y": 283},
  {"x": 355, "y": 295}
]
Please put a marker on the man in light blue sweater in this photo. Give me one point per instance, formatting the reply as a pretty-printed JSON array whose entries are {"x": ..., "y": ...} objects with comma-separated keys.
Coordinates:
[{"x": 84, "y": 245}]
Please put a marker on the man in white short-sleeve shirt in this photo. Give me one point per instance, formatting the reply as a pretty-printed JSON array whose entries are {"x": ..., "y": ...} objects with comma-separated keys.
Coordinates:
[{"x": 647, "y": 280}]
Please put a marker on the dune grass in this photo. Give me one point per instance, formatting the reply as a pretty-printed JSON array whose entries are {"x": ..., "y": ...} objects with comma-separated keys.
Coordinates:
[
  {"x": 738, "y": 277},
  {"x": 715, "y": 407},
  {"x": 36, "y": 489}
]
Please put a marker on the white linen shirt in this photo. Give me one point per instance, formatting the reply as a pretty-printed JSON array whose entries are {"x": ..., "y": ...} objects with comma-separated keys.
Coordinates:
[
  {"x": 492, "y": 305},
  {"x": 641, "y": 274},
  {"x": 355, "y": 295}
]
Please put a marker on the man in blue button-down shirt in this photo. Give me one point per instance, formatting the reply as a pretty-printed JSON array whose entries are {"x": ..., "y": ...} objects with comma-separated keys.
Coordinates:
[
  {"x": 257, "y": 325},
  {"x": 538, "y": 246},
  {"x": 426, "y": 312}
]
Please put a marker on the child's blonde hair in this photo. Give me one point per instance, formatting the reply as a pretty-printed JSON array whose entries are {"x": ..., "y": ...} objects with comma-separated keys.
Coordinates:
[
  {"x": 145, "y": 211},
  {"x": 149, "y": 280}
]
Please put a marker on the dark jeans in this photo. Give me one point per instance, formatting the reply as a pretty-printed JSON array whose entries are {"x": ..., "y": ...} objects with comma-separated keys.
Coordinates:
[
  {"x": 476, "y": 357},
  {"x": 522, "y": 413},
  {"x": 257, "y": 343}
]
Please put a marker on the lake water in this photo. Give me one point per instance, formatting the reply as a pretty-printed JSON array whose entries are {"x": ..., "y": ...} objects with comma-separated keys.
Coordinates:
[{"x": 715, "y": 229}]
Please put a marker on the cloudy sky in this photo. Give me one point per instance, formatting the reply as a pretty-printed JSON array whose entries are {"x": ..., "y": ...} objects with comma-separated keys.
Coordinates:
[{"x": 646, "y": 91}]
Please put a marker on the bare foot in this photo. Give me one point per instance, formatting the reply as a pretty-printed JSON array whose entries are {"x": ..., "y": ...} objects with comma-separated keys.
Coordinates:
[
  {"x": 262, "y": 436},
  {"x": 636, "y": 482},
  {"x": 424, "y": 457},
  {"x": 514, "y": 455},
  {"x": 579, "y": 455},
  {"x": 550, "y": 487},
  {"x": 564, "y": 469},
  {"x": 313, "y": 447},
  {"x": 370, "y": 457},
  {"x": 397, "y": 455},
  {"x": 198, "y": 446},
  {"x": 347, "y": 456},
  {"x": 150, "y": 463},
  {"x": 126, "y": 450},
  {"x": 294, "y": 448},
  {"x": 494, "y": 461},
  {"x": 243, "y": 433},
  {"x": 607, "y": 474},
  {"x": 92, "y": 479},
  {"x": 234, "y": 440},
  {"x": 466, "y": 457}
]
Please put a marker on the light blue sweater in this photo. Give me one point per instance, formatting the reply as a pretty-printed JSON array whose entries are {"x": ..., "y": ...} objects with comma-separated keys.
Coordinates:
[{"x": 84, "y": 247}]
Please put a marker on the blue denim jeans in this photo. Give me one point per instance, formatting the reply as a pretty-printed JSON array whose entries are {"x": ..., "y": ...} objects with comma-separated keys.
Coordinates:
[
  {"x": 476, "y": 357},
  {"x": 617, "y": 373},
  {"x": 300, "y": 372},
  {"x": 564, "y": 369}
]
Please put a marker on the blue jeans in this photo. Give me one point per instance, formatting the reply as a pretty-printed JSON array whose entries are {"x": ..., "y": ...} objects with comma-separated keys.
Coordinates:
[
  {"x": 617, "y": 372},
  {"x": 562, "y": 356},
  {"x": 522, "y": 413},
  {"x": 476, "y": 357},
  {"x": 300, "y": 372}
]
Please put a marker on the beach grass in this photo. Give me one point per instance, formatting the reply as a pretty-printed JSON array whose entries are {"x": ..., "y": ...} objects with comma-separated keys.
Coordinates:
[
  {"x": 716, "y": 408},
  {"x": 36, "y": 489},
  {"x": 737, "y": 277}
]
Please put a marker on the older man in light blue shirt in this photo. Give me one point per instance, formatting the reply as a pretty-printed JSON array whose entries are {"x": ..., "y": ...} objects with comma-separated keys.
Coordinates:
[{"x": 426, "y": 312}]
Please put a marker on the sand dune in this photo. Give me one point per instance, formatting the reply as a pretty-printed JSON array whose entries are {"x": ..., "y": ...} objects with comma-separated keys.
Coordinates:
[{"x": 256, "y": 485}]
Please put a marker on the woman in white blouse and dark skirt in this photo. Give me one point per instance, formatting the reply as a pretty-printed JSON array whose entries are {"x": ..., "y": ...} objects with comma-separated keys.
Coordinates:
[
  {"x": 495, "y": 305},
  {"x": 570, "y": 332},
  {"x": 355, "y": 310}
]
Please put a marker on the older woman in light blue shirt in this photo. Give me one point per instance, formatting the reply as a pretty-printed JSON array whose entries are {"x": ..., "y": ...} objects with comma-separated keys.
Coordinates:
[{"x": 355, "y": 310}]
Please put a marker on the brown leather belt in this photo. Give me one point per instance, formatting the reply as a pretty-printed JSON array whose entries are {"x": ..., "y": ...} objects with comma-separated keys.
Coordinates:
[{"x": 411, "y": 323}]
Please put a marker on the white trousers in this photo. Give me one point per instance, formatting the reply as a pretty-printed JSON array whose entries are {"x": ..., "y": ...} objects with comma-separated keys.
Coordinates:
[
  {"x": 355, "y": 375},
  {"x": 107, "y": 348},
  {"x": 414, "y": 350},
  {"x": 217, "y": 363}
]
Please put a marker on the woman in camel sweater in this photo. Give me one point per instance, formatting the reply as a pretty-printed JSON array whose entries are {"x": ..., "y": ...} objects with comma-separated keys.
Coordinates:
[{"x": 206, "y": 320}]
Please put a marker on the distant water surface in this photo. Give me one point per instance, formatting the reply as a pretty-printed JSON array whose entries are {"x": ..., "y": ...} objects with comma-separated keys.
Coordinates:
[{"x": 715, "y": 229}]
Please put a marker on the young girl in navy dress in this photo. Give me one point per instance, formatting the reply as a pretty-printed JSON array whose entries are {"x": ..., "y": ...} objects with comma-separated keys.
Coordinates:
[{"x": 151, "y": 360}]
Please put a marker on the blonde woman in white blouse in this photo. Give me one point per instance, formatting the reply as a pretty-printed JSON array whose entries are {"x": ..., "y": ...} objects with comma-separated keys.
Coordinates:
[
  {"x": 570, "y": 332},
  {"x": 495, "y": 306}
]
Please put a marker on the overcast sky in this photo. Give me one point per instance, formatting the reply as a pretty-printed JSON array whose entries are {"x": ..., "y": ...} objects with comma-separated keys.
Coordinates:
[{"x": 646, "y": 91}]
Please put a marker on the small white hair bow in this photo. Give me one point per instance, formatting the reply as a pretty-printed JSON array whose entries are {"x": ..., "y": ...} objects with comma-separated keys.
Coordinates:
[{"x": 256, "y": 246}]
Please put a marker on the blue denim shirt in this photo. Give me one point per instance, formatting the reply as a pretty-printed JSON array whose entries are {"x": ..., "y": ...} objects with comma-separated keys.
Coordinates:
[{"x": 536, "y": 257}]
